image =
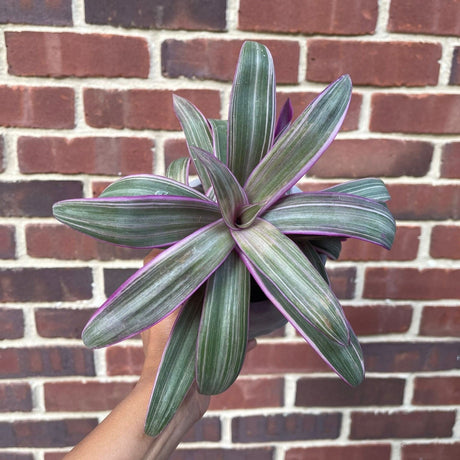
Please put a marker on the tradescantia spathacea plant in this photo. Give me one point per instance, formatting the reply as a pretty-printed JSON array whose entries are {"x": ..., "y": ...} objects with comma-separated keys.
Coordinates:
[{"x": 245, "y": 249}]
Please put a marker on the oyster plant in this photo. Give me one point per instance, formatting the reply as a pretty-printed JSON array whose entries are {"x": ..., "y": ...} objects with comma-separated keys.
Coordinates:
[{"x": 244, "y": 248}]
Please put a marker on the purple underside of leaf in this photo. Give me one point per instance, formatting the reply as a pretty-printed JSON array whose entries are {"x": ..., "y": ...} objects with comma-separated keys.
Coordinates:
[{"x": 284, "y": 118}]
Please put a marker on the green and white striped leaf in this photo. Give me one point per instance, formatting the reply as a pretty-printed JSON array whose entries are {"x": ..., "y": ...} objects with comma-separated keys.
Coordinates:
[
  {"x": 251, "y": 119},
  {"x": 223, "y": 331},
  {"x": 345, "y": 360},
  {"x": 146, "y": 185},
  {"x": 219, "y": 137},
  {"x": 312, "y": 255},
  {"x": 230, "y": 195},
  {"x": 305, "y": 291},
  {"x": 141, "y": 222},
  {"x": 329, "y": 245},
  {"x": 334, "y": 214},
  {"x": 179, "y": 170},
  {"x": 300, "y": 145},
  {"x": 197, "y": 132},
  {"x": 371, "y": 188},
  {"x": 177, "y": 367},
  {"x": 160, "y": 286}
]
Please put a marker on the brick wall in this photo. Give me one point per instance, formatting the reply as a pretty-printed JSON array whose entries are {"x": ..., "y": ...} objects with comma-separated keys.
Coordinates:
[{"x": 85, "y": 96}]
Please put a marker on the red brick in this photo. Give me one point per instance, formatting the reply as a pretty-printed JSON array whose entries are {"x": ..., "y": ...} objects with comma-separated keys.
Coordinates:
[
  {"x": 434, "y": 391},
  {"x": 290, "y": 427},
  {"x": 17, "y": 456},
  {"x": 250, "y": 393},
  {"x": 217, "y": 59},
  {"x": 415, "y": 113},
  {"x": 61, "y": 322},
  {"x": 350, "y": 452},
  {"x": 331, "y": 392},
  {"x": 40, "y": 12},
  {"x": 416, "y": 424},
  {"x": 255, "y": 453},
  {"x": 437, "y": 17},
  {"x": 35, "y": 198},
  {"x": 450, "y": 161},
  {"x": 379, "y": 319},
  {"x": 410, "y": 356},
  {"x": 357, "y": 158},
  {"x": 445, "y": 242},
  {"x": 206, "y": 429},
  {"x": 15, "y": 397},
  {"x": 405, "y": 247},
  {"x": 174, "y": 149},
  {"x": 98, "y": 187},
  {"x": 86, "y": 396},
  {"x": 37, "y": 107},
  {"x": 300, "y": 100},
  {"x": 430, "y": 451},
  {"x": 124, "y": 360},
  {"x": 45, "y": 284},
  {"x": 45, "y": 433},
  {"x": 2, "y": 154},
  {"x": 113, "y": 278},
  {"x": 46, "y": 362},
  {"x": 411, "y": 283},
  {"x": 55, "y": 455},
  {"x": 343, "y": 281},
  {"x": 7, "y": 242},
  {"x": 59, "y": 242},
  {"x": 11, "y": 323},
  {"x": 374, "y": 63},
  {"x": 89, "y": 155},
  {"x": 455, "y": 68},
  {"x": 347, "y": 17},
  {"x": 424, "y": 202},
  {"x": 143, "y": 108},
  {"x": 159, "y": 14},
  {"x": 440, "y": 321}
]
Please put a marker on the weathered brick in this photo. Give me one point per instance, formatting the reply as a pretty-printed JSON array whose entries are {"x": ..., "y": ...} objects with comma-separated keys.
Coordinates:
[
  {"x": 350, "y": 452},
  {"x": 124, "y": 360},
  {"x": 415, "y": 113},
  {"x": 256, "y": 453},
  {"x": 40, "y": 12},
  {"x": 439, "y": 321},
  {"x": 357, "y": 158},
  {"x": 2, "y": 154},
  {"x": 90, "y": 155},
  {"x": 61, "y": 322},
  {"x": 430, "y": 451},
  {"x": 249, "y": 393},
  {"x": 410, "y": 356},
  {"x": 114, "y": 277},
  {"x": 217, "y": 59},
  {"x": 450, "y": 161},
  {"x": 143, "y": 108},
  {"x": 158, "y": 14},
  {"x": 55, "y": 455},
  {"x": 300, "y": 101},
  {"x": 374, "y": 63},
  {"x": 331, "y": 392},
  {"x": 45, "y": 433},
  {"x": 174, "y": 149},
  {"x": 379, "y": 319},
  {"x": 455, "y": 68},
  {"x": 445, "y": 242},
  {"x": 280, "y": 427},
  {"x": 98, "y": 187},
  {"x": 11, "y": 323},
  {"x": 343, "y": 281},
  {"x": 46, "y": 362},
  {"x": 35, "y": 198},
  {"x": 416, "y": 424},
  {"x": 65, "y": 54},
  {"x": 438, "y": 17},
  {"x": 45, "y": 284},
  {"x": 206, "y": 429},
  {"x": 346, "y": 17},
  {"x": 15, "y": 397},
  {"x": 86, "y": 396},
  {"x": 7, "y": 242},
  {"x": 16, "y": 456},
  {"x": 424, "y": 202},
  {"x": 405, "y": 247},
  {"x": 37, "y": 107},
  {"x": 60, "y": 242},
  {"x": 411, "y": 283},
  {"x": 434, "y": 391}
]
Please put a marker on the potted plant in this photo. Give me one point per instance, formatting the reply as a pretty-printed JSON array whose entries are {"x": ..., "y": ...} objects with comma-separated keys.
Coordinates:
[{"x": 244, "y": 248}]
